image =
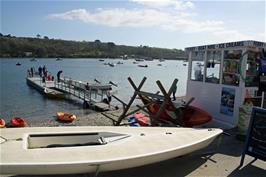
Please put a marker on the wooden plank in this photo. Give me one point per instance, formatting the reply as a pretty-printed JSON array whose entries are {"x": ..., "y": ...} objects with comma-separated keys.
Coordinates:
[{"x": 153, "y": 95}]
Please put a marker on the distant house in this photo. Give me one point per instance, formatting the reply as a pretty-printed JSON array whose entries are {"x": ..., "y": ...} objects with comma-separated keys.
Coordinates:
[{"x": 28, "y": 54}]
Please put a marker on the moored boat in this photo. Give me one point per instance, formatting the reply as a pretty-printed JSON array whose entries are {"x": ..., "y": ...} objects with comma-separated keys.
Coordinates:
[
  {"x": 52, "y": 93},
  {"x": 2, "y": 123},
  {"x": 83, "y": 149},
  {"x": 33, "y": 59},
  {"x": 66, "y": 117},
  {"x": 18, "y": 122},
  {"x": 144, "y": 66},
  {"x": 111, "y": 64}
]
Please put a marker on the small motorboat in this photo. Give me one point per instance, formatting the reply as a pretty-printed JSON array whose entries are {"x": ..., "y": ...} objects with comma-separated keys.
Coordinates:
[
  {"x": 52, "y": 93},
  {"x": 144, "y": 66},
  {"x": 2, "y": 123},
  {"x": 18, "y": 122},
  {"x": 192, "y": 115},
  {"x": 139, "y": 59},
  {"x": 18, "y": 64},
  {"x": 66, "y": 117},
  {"x": 111, "y": 64},
  {"x": 101, "y": 59},
  {"x": 33, "y": 59}
]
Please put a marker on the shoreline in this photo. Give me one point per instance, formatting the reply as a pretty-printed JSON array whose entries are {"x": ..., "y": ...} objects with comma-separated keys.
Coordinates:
[{"x": 92, "y": 119}]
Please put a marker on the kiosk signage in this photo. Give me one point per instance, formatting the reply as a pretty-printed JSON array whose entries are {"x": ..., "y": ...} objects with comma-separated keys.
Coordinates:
[{"x": 255, "y": 145}]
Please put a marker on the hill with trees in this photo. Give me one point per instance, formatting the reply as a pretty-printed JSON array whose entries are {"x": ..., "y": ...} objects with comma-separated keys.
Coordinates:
[{"x": 11, "y": 46}]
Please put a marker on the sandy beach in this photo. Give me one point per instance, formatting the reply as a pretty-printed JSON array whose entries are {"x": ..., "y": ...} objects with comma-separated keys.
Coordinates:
[{"x": 221, "y": 158}]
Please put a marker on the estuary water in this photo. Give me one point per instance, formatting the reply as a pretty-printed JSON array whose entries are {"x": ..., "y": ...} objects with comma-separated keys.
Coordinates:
[{"x": 20, "y": 100}]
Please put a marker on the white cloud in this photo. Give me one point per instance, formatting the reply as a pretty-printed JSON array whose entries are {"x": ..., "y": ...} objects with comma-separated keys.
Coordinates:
[
  {"x": 140, "y": 18},
  {"x": 177, "y": 4},
  {"x": 232, "y": 35},
  {"x": 153, "y": 16}
]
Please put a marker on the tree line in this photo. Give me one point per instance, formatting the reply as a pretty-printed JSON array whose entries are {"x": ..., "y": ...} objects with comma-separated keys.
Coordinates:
[{"x": 43, "y": 47}]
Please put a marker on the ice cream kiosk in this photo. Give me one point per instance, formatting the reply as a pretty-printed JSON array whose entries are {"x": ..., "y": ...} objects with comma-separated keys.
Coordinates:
[{"x": 221, "y": 77}]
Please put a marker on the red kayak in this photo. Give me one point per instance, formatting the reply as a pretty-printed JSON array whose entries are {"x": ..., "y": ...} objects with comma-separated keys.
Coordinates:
[
  {"x": 18, "y": 122},
  {"x": 2, "y": 123},
  {"x": 192, "y": 116}
]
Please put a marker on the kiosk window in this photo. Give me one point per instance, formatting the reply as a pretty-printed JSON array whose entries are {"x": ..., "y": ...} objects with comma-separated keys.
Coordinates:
[
  {"x": 197, "y": 65},
  {"x": 213, "y": 66},
  {"x": 252, "y": 69},
  {"x": 231, "y": 67}
]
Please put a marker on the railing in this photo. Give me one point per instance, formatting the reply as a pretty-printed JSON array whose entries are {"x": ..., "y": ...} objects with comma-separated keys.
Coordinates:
[{"x": 81, "y": 90}]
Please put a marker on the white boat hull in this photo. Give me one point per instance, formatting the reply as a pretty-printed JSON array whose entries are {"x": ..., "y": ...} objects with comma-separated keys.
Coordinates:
[{"x": 31, "y": 151}]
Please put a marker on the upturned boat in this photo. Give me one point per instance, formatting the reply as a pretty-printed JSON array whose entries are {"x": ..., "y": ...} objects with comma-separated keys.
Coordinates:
[
  {"x": 192, "y": 116},
  {"x": 74, "y": 150},
  {"x": 2, "y": 123},
  {"x": 18, "y": 122}
]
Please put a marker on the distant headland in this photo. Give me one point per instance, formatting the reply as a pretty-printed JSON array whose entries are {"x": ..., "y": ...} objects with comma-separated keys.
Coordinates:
[{"x": 44, "y": 47}]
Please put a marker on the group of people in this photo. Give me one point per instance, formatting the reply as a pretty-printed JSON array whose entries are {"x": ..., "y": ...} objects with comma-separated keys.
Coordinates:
[{"x": 43, "y": 73}]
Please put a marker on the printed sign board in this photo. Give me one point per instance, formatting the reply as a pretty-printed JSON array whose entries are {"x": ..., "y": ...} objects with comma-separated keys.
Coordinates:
[
  {"x": 255, "y": 145},
  {"x": 227, "y": 101}
]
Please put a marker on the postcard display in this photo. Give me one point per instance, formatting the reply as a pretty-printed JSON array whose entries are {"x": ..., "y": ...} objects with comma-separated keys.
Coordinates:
[{"x": 225, "y": 77}]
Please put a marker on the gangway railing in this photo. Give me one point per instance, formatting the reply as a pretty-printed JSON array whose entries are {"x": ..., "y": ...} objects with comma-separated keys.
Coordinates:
[{"x": 82, "y": 90}]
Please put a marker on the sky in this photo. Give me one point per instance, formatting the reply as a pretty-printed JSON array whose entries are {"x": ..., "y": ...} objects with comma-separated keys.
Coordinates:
[{"x": 155, "y": 23}]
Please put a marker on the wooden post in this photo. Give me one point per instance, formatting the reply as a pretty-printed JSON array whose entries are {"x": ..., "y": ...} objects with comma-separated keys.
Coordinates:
[
  {"x": 167, "y": 100},
  {"x": 122, "y": 116}
]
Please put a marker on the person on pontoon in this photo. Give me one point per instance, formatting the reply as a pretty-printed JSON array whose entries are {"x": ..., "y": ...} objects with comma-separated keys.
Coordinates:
[
  {"x": 174, "y": 91},
  {"x": 197, "y": 72},
  {"x": 59, "y": 75},
  {"x": 109, "y": 96}
]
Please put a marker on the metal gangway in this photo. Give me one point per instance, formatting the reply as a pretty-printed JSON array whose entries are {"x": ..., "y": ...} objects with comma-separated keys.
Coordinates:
[{"x": 89, "y": 93}]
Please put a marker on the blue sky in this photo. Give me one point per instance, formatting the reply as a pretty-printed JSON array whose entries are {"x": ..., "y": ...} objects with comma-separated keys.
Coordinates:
[{"x": 158, "y": 23}]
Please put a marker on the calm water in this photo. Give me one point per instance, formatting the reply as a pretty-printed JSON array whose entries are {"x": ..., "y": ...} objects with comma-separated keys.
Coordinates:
[{"x": 18, "y": 99}]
